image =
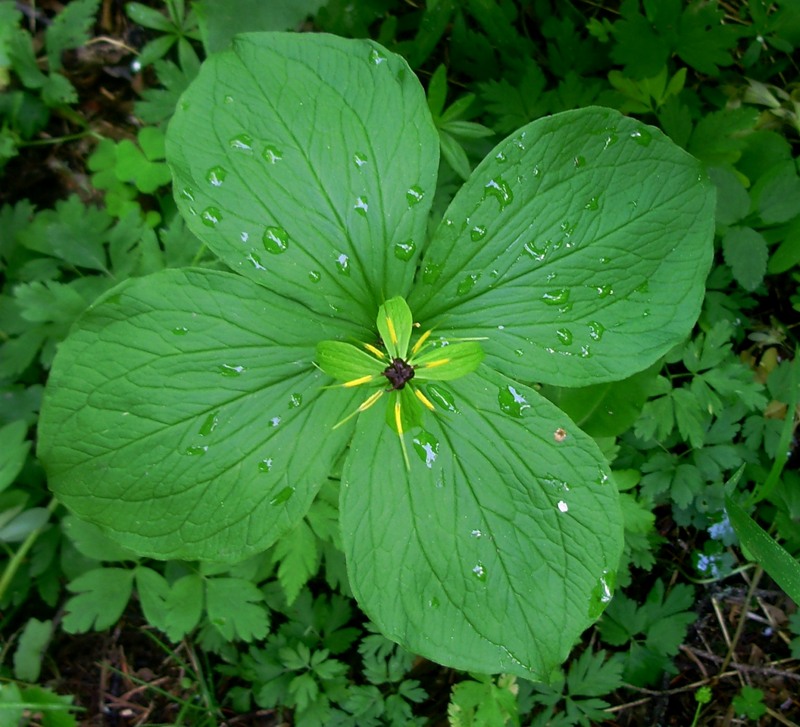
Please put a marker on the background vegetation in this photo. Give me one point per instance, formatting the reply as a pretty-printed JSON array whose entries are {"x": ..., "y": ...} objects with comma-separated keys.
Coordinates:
[{"x": 697, "y": 634}]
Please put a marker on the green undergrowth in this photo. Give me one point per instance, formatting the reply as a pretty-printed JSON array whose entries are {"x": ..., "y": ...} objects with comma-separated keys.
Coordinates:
[{"x": 281, "y": 630}]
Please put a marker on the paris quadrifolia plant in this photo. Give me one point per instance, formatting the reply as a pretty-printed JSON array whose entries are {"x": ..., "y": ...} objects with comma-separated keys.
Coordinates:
[{"x": 195, "y": 413}]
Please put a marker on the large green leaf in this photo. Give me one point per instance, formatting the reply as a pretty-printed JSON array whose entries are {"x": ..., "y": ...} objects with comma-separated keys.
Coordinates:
[
  {"x": 308, "y": 163},
  {"x": 499, "y": 545},
  {"x": 186, "y": 418},
  {"x": 578, "y": 247}
]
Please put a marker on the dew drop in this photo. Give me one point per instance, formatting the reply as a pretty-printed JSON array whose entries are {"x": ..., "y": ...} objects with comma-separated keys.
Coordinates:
[
  {"x": 228, "y": 99},
  {"x": 467, "y": 284},
  {"x": 476, "y": 533},
  {"x": 272, "y": 154},
  {"x": 556, "y": 297},
  {"x": 442, "y": 397},
  {"x": 596, "y": 330},
  {"x": 314, "y": 276},
  {"x": 188, "y": 194},
  {"x": 255, "y": 260},
  {"x": 643, "y": 288},
  {"x": 477, "y": 233},
  {"x": 295, "y": 400},
  {"x": 604, "y": 291},
  {"x": 536, "y": 251},
  {"x": 343, "y": 265},
  {"x": 433, "y": 603},
  {"x": 519, "y": 352},
  {"x": 180, "y": 331},
  {"x": 479, "y": 572},
  {"x": 602, "y": 593},
  {"x": 228, "y": 370},
  {"x": 211, "y": 216},
  {"x": 245, "y": 236},
  {"x": 275, "y": 421},
  {"x": 500, "y": 190},
  {"x": 431, "y": 273},
  {"x": 592, "y": 204},
  {"x": 210, "y": 424},
  {"x": 427, "y": 447},
  {"x": 361, "y": 206},
  {"x": 512, "y": 402},
  {"x": 195, "y": 451},
  {"x": 414, "y": 195},
  {"x": 562, "y": 506},
  {"x": 501, "y": 158},
  {"x": 276, "y": 240},
  {"x": 579, "y": 161},
  {"x": 282, "y": 496},
  {"x": 242, "y": 142},
  {"x": 405, "y": 250},
  {"x": 216, "y": 176},
  {"x": 376, "y": 58},
  {"x": 360, "y": 159},
  {"x": 265, "y": 465},
  {"x": 642, "y": 137},
  {"x": 564, "y": 335}
]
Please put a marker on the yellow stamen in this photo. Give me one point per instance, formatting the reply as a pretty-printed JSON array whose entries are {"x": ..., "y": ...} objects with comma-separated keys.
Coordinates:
[
  {"x": 392, "y": 332},
  {"x": 398, "y": 420},
  {"x": 434, "y": 364},
  {"x": 371, "y": 400},
  {"x": 422, "y": 339},
  {"x": 357, "y": 382},
  {"x": 424, "y": 399},
  {"x": 368, "y": 402},
  {"x": 374, "y": 351}
]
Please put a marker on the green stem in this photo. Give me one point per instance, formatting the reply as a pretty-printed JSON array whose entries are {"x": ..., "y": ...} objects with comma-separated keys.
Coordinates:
[
  {"x": 19, "y": 556},
  {"x": 60, "y": 139}
]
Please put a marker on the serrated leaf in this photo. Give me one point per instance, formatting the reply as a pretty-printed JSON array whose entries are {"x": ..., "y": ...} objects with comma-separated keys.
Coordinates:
[
  {"x": 101, "y": 597},
  {"x": 236, "y": 608},
  {"x": 173, "y": 485},
  {"x": 30, "y": 649},
  {"x": 184, "y": 605},
  {"x": 330, "y": 215},
  {"x": 591, "y": 675},
  {"x": 153, "y": 591},
  {"x": 15, "y": 450},
  {"x": 455, "y": 590},
  {"x": 561, "y": 261},
  {"x": 746, "y": 252},
  {"x": 69, "y": 29},
  {"x": 299, "y": 558}
]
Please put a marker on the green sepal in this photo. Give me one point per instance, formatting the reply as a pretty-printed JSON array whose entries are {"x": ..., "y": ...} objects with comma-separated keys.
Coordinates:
[
  {"x": 462, "y": 359},
  {"x": 346, "y": 362},
  {"x": 397, "y": 311}
]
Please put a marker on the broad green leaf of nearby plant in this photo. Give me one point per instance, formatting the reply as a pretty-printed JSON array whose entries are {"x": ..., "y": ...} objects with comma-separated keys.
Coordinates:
[{"x": 196, "y": 414}]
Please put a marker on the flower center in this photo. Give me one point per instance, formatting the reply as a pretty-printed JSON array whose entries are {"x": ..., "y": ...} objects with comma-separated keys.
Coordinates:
[{"x": 399, "y": 373}]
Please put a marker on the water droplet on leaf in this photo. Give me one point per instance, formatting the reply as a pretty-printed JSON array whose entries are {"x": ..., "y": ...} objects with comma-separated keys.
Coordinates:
[
  {"x": 414, "y": 195},
  {"x": 512, "y": 402},
  {"x": 195, "y": 451},
  {"x": 564, "y": 335},
  {"x": 579, "y": 161},
  {"x": 180, "y": 331},
  {"x": 343, "y": 265},
  {"x": 479, "y": 572},
  {"x": 477, "y": 233},
  {"x": 405, "y": 250},
  {"x": 427, "y": 447},
  {"x": 265, "y": 465},
  {"x": 467, "y": 284},
  {"x": 556, "y": 297},
  {"x": 500, "y": 190},
  {"x": 276, "y": 240},
  {"x": 314, "y": 276},
  {"x": 441, "y": 396},
  {"x": 211, "y": 216},
  {"x": 282, "y": 496},
  {"x": 242, "y": 142},
  {"x": 361, "y": 206},
  {"x": 295, "y": 400},
  {"x": 360, "y": 159},
  {"x": 210, "y": 424},
  {"x": 596, "y": 330},
  {"x": 228, "y": 370},
  {"x": 272, "y": 154},
  {"x": 216, "y": 176}
]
